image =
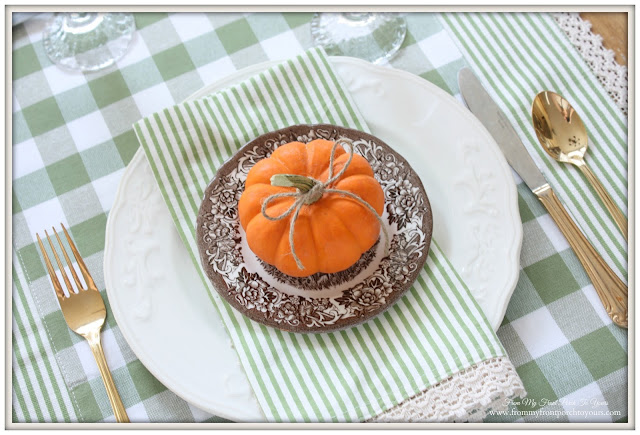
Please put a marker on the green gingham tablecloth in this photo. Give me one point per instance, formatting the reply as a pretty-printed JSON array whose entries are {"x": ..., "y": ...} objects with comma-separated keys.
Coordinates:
[{"x": 72, "y": 138}]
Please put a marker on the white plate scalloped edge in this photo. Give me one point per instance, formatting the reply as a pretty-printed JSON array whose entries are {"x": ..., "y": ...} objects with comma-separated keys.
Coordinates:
[{"x": 235, "y": 399}]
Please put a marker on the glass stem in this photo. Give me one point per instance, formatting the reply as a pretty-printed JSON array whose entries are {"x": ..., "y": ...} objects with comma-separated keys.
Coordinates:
[
  {"x": 81, "y": 22},
  {"x": 358, "y": 17}
]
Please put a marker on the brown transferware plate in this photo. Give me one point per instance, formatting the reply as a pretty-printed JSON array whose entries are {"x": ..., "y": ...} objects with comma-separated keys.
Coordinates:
[{"x": 320, "y": 302}]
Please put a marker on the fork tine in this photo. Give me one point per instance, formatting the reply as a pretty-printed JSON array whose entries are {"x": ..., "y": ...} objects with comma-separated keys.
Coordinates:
[
  {"x": 66, "y": 257},
  {"x": 52, "y": 274},
  {"x": 83, "y": 267},
  {"x": 60, "y": 266}
]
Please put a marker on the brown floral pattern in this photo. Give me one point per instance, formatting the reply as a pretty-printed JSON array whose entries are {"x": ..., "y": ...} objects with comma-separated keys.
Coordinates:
[
  {"x": 219, "y": 241},
  {"x": 320, "y": 281}
]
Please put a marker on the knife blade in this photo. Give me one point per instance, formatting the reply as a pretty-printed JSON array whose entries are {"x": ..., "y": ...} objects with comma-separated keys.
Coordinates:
[
  {"x": 613, "y": 292},
  {"x": 495, "y": 121}
]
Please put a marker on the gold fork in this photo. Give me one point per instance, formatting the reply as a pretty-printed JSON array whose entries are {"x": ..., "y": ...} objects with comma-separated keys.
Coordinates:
[{"x": 84, "y": 312}]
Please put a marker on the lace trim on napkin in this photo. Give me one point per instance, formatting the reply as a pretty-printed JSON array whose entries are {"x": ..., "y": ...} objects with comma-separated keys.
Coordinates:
[
  {"x": 613, "y": 76},
  {"x": 467, "y": 396}
]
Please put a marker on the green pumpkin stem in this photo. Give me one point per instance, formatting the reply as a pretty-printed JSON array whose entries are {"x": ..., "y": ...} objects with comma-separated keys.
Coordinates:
[{"x": 302, "y": 183}]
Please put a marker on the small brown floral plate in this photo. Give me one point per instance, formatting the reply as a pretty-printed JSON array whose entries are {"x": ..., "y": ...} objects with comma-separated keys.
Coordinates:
[{"x": 320, "y": 302}]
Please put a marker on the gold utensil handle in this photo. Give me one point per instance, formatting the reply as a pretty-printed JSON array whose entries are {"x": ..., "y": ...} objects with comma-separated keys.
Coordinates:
[
  {"x": 116, "y": 403},
  {"x": 611, "y": 290},
  {"x": 615, "y": 212}
]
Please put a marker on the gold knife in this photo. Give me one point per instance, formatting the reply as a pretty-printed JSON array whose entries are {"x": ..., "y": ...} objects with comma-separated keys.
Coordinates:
[{"x": 610, "y": 288}]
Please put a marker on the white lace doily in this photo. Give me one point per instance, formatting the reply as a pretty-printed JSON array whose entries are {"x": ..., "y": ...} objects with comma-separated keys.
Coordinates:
[
  {"x": 613, "y": 76},
  {"x": 467, "y": 396}
]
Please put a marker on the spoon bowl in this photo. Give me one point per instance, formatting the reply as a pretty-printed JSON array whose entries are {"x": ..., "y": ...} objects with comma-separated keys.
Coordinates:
[
  {"x": 559, "y": 128},
  {"x": 563, "y": 136}
]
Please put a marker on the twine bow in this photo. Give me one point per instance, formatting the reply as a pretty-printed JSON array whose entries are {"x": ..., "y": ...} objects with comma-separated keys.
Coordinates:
[{"x": 311, "y": 190}]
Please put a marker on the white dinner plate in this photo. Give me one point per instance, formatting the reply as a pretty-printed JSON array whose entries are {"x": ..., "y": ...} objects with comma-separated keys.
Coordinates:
[{"x": 162, "y": 307}]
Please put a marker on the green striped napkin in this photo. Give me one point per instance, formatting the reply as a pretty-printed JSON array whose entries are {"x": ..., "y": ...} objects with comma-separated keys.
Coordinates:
[
  {"x": 435, "y": 331},
  {"x": 519, "y": 55}
]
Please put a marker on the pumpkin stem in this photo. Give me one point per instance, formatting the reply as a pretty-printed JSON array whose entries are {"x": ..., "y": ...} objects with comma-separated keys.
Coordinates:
[{"x": 302, "y": 183}]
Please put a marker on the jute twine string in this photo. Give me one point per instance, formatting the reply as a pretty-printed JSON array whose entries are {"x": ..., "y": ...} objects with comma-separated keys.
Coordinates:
[{"x": 311, "y": 190}]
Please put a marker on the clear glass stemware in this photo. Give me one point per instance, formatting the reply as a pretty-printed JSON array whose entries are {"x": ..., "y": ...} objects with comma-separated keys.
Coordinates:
[
  {"x": 375, "y": 37},
  {"x": 88, "y": 41}
]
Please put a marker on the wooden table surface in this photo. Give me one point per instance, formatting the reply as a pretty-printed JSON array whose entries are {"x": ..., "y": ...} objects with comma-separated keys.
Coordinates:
[{"x": 612, "y": 26}]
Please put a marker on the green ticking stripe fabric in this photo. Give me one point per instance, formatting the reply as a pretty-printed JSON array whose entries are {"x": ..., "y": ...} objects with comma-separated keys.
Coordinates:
[
  {"x": 34, "y": 373},
  {"x": 434, "y": 331},
  {"x": 515, "y": 68}
]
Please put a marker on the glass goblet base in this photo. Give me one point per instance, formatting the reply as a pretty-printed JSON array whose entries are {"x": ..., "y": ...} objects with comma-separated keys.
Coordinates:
[
  {"x": 374, "y": 37},
  {"x": 88, "y": 41}
]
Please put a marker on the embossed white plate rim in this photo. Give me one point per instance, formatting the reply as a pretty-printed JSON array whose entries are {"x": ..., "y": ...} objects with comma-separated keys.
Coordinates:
[{"x": 205, "y": 403}]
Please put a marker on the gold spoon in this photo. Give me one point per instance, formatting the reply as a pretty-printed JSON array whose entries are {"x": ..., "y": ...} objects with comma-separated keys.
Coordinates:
[{"x": 563, "y": 136}]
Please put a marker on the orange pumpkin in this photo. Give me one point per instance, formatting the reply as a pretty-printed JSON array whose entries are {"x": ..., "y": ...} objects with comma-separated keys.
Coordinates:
[{"x": 330, "y": 234}]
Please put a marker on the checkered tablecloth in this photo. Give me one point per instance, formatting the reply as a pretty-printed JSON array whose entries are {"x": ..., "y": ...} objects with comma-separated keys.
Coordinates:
[{"x": 72, "y": 138}]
